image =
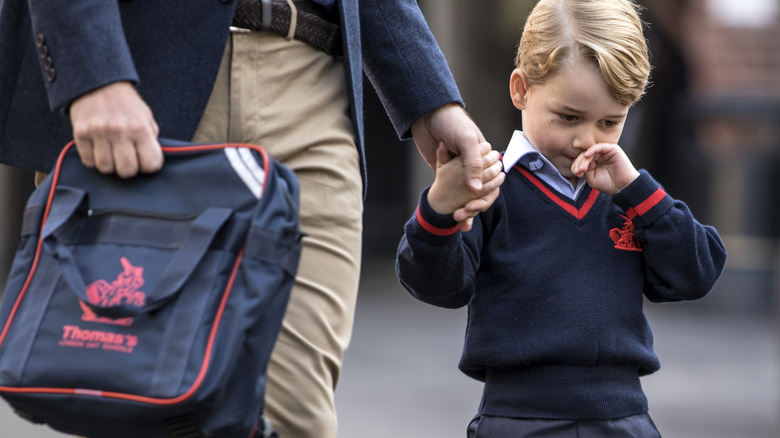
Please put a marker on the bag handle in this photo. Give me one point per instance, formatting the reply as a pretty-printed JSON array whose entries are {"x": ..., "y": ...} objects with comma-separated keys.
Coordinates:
[{"x": 201, "y": 233}]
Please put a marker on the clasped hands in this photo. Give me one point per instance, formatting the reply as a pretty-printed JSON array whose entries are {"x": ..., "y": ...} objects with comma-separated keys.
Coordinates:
[{"x": 468, "y": 172}]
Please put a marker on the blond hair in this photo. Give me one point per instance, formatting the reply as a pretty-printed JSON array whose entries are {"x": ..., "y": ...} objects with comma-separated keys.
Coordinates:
[{"x": 605, "y": 33}]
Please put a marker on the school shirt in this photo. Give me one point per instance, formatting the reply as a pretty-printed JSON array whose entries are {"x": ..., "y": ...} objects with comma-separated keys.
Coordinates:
[
  {"x": 521, "y": 150},
  {"x": 554, "y": 288}
]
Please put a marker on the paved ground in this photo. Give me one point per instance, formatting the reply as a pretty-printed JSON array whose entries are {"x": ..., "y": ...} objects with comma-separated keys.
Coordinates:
[{"x": 719, "y": 379}]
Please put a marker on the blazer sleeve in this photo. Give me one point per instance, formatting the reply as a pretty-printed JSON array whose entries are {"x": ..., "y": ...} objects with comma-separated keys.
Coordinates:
[
  {"x": 81, "y": 47},
  {"x": 403, "y": 62}
]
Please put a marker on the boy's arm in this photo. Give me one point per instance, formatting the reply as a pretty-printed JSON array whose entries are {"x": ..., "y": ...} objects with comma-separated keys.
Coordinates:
[
  {"x": 436, "y": 263},
  {"x": 683, "y": 258}
]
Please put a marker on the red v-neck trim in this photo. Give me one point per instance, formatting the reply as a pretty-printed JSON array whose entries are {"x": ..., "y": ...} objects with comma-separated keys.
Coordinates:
[{"x": 578, "y": 213}]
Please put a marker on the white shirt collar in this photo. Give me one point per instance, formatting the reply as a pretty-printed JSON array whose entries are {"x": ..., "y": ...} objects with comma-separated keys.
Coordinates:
[
  {"x": 519, "y": 146},
  {"x": 521, "y": 150}
]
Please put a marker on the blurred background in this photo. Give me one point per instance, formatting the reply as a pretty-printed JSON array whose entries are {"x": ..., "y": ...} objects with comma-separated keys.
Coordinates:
[{"x": 707, "y": 129}]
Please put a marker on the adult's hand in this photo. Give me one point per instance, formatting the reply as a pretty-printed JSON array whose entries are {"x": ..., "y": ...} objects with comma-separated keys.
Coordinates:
[
  {"x": 449, "y": 124},
  {"x": 115, "y": 131}
]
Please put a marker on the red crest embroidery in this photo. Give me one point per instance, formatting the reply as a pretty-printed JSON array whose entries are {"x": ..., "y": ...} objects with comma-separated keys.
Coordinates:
[{"x": 624, "y": 238}]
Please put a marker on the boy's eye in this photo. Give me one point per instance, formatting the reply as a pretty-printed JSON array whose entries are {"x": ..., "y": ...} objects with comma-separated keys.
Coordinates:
[
  {"x": 567, "y": 117},
  {"x": 610, "y": 123}
]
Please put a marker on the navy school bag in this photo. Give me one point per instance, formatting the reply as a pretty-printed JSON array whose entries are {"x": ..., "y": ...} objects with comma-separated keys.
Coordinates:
[{"x": 149, "y": 307}]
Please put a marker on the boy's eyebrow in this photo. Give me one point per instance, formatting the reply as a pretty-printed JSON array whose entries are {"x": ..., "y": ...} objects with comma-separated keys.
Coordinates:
[{"x": 567, "y": 108}]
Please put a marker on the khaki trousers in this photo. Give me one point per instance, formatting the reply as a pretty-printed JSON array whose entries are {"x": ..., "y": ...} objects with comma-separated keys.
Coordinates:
[{"x": 292, "y": 99}]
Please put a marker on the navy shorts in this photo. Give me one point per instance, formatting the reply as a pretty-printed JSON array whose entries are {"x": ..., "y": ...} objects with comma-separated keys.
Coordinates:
[{"x": 636, "y": 426}]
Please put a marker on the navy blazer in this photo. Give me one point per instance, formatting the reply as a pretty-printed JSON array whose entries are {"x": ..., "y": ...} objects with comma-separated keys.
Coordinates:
[{"x": 52, "y": 52}]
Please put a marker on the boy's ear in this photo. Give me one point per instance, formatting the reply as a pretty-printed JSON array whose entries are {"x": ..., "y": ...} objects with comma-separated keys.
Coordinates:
[{"x": 518, "y": 88}]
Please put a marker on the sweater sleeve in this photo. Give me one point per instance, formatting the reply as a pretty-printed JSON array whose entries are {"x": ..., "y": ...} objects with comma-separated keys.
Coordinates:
[
  {"x": 435, "y": 263},
  {"x": 683, "y": 258}
]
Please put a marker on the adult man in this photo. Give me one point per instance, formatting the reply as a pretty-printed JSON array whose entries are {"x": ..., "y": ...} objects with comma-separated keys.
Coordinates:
[{"x": 115, "y": 76}]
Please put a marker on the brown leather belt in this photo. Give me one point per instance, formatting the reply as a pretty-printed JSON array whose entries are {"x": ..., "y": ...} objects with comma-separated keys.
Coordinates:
[{"x": 313, "y": 25}]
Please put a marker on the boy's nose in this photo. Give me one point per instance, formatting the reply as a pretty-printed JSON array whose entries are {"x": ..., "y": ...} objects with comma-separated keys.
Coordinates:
[{"x": 583, "y": 140}]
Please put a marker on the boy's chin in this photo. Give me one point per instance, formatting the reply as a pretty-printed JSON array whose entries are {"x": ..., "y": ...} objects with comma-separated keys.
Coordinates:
[{"x": 568, "y": 174}]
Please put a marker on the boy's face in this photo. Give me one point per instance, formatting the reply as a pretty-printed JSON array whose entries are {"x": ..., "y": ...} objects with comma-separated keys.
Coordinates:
[{"x": 568, "y": 114}]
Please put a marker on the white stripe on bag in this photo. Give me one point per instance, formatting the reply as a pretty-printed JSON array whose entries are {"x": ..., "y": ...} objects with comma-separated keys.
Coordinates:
[{"x": 247, "y": 168}]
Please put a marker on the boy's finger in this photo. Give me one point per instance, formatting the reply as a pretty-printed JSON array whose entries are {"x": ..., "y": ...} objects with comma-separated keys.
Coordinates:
[
  {"x": 485, "y": 148},
  {"x": 466, "y": 225},
  {"x": 494, "y": 182},
  {"x": 490, "y": 159},
  {"x": 492, "y": 171},
  {"x": 580, "y": 164},
  {"x": 476, "y": 206}
]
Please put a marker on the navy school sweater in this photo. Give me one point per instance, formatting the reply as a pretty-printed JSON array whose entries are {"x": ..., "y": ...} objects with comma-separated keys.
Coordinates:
[{"x": 555, "y": 290}]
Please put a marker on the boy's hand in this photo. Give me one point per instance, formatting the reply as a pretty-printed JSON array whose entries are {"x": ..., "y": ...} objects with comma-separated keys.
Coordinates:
[
  {"x": 606, "y": 168},
  {"x": 449, "y": 193}
]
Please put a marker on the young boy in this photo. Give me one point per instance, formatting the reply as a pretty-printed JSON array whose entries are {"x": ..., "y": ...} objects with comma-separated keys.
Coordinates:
[{"x": 554, "y": 273}]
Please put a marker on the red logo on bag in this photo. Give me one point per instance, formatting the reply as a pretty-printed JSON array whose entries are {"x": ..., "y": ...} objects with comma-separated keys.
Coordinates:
[
  {"x": 123, "y": 290},
  {"x": 624, "y": 238}
]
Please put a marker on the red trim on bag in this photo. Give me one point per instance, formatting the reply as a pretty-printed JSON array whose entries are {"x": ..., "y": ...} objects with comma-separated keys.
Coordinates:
[
  {"x": 38, "y": 247},
  {"x": 254, "y": 429},
  {"x": 208, "y": 147},
  {"x": 217, "y": 319}
]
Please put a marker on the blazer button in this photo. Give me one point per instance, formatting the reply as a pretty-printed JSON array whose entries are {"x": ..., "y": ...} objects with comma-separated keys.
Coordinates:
[{"x": 43, "y": 52}]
